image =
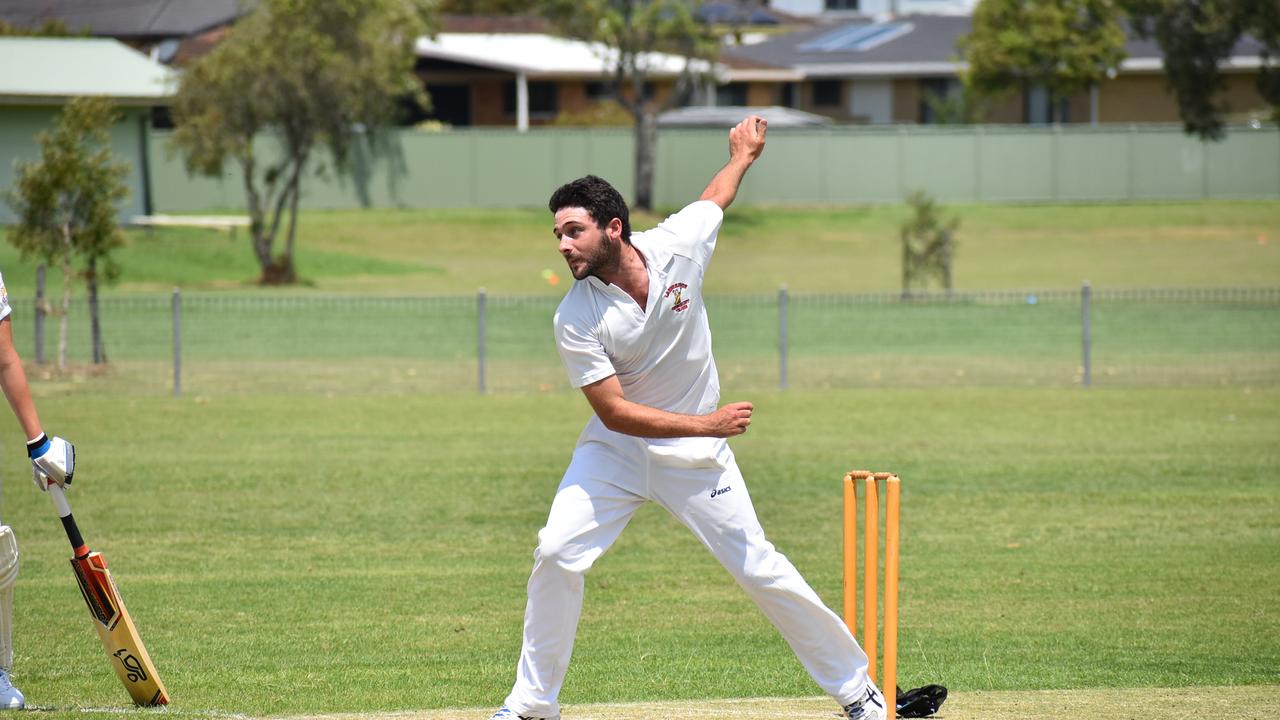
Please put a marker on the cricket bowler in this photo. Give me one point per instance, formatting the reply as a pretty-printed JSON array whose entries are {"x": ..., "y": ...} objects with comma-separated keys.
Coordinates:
[
  {"x": 52, "y": 459},
  {"x": 633, "y": 334}
]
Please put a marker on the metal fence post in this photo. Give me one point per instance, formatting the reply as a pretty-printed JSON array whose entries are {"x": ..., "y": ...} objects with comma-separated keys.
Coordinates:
[
  {"x": 782, "y": 338},
  {"x": 1205, "y": 194},
  {"x": 1055, "y": 162},
  {"x": 1086, "y": 334},
  {"x": 40, "y": 314},
  {"x": 1131, "y": 171},
  {"x": 177, "y": 342},
  {"x": 977, "y": 163},
  {"x": 480, "y": 338}
]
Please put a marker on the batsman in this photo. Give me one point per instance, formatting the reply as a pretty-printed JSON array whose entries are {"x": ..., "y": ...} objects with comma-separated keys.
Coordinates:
[
  {"x": 52, "y": 460},
  {"x": 634, "y": 336}
]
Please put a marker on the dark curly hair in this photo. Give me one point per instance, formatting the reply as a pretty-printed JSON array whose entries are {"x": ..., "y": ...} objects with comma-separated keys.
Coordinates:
[{"x": 595, "y": 195}]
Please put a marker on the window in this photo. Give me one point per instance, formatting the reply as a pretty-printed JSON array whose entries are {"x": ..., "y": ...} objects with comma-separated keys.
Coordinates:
[
  {"x": 543, "y": 99},
  {"x": 161, "y": 118},
  {"x": 450, "y": 104},
  {"x": 826, "y": 92},
  {"x": 599, "y": 91},
  {"x": 936, "y": 100},
  {"x": 731, "y": 94},
  {"x": 788, "y": 96},
  {"x": 1040, "y": 110},
  {"x": 841, "y": 4}
]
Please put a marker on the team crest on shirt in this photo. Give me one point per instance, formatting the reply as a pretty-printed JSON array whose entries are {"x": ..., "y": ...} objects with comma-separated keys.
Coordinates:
[{"x": 679, "y": 303}]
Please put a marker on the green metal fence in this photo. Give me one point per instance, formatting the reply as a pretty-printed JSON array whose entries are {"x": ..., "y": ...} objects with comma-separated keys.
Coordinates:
[
  {"x": 841, "y": 165},
  {"x": 343, "y": 345}
]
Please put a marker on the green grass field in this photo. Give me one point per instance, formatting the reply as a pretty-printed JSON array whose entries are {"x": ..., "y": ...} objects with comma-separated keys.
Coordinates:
[
  {"x": 436, "y": 260},
  {"x": 450, "y": 252},
  {"x": 294, "y": 554},
  {"x": 312, "y": 530}
]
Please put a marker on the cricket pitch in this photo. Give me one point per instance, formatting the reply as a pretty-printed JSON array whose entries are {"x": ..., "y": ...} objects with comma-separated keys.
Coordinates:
[{"x": 1256, "y": 702}]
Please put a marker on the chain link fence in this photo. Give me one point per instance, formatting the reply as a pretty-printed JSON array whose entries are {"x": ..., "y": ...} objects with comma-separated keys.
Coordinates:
[{"x": 207, "y": 344}]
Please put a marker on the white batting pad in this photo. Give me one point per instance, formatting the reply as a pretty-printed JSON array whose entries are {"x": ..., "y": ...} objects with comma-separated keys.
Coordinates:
[{"x": 8, "y": 576}]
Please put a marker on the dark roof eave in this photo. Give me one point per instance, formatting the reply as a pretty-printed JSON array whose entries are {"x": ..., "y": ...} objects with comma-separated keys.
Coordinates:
[{"x": 159, "y": 35}]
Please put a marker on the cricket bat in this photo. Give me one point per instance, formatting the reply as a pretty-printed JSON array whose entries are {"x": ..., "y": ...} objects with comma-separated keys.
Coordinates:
[{"x": 110, "y": 618}]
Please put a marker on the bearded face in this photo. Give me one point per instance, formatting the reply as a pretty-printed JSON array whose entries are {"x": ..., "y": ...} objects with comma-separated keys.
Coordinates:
[{"x": 586, "y": 247}]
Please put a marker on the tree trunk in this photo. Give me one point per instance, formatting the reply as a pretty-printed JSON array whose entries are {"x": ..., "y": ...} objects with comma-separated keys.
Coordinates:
[
  {"x": 66, "y": 298},
  {"x": 946, "y": 261},
  {"x": 95, "y": 320},
  {"x": 907, "y": 272},
  {"x": 287, "y": 259},
  {"x": 261, "y": 246},
  {"x": 42, "y": 310},
  {"x": 64, "y": 315},
  {"x": 279, "y": 270},
  {"x": 646, "y": 149},
  {"x": 259, "y": 235}
]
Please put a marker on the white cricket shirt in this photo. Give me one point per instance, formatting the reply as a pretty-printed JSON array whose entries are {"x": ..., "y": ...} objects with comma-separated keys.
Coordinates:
[{"x": 661, "y": 354}]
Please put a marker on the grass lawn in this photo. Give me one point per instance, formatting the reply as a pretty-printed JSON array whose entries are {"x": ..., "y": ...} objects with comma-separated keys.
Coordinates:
[
  {"x": 331, "y": 521},
  {"x": 847, "y": 250},
  {"x": 294, "y": 554}
]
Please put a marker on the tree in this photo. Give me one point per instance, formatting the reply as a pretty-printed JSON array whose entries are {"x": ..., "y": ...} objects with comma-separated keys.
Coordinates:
[
  {"x": 47, "y": 28},
  {"x": 954, "y": 108},
  {"x": 488, "y": 7},
  {"x": 1196, "y": 38},
  {"x": 1065, "y": 46},
  {"x": 928, "y": 244},
  {"x": 308, "y": 74},
  {"x": 633, "y": 31},
  {"x": 67, "y": 202}
]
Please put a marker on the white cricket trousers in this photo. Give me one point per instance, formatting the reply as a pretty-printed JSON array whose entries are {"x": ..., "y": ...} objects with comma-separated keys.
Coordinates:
[{"x": 601, "y": 490}]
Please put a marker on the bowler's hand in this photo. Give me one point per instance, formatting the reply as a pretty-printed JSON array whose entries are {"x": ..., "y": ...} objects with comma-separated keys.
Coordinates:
[
  {"x": 746, "y": 139},
  {"x": 730, "y": 420}
]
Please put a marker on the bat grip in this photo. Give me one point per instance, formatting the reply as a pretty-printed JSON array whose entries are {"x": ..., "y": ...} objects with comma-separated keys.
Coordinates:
[
  {"x": 59, "y": 499},
  {"x": 68, "y": 521}
]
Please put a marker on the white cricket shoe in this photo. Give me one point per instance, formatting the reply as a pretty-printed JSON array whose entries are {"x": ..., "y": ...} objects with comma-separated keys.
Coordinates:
[
  {"x": 505, "y": 713},
  {"x": 10, "y": 696},
  {"x": 870, "y": 707}
]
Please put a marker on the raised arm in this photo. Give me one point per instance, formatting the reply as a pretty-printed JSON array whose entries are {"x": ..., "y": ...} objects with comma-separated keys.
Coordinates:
[
  {"x": 629, "y": 418},
  {"x": 746, "y": 142}
]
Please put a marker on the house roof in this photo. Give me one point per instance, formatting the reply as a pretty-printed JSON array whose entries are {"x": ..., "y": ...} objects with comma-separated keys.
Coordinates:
[
  {"x": 126, "y": 18},
  {"x": 70, "y": 67},
  {"x": 741, "y": 69},
  {"x": 912, "y": 45},
  {"x": 721, "y": 11},
  {"x": 919, "y": 44},
  {"x": 538, "y": 55}
]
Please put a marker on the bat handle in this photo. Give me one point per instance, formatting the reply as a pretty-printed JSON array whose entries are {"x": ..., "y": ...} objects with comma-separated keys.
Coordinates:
[
  {"x": 59, "y": 499},
  {"x": 68, "y": 521}
]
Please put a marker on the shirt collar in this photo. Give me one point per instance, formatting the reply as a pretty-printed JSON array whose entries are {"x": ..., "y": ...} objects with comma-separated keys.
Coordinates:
[{"x": 653, "y": 262}]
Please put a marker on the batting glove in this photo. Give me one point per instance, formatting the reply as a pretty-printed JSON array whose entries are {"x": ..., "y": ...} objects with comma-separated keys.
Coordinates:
[{"x": 52, "y": 460}]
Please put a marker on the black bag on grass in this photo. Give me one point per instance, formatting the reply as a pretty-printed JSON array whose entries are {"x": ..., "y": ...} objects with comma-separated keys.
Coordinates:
[{"x": 920, "y": 702}]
